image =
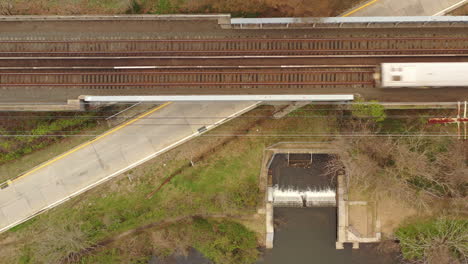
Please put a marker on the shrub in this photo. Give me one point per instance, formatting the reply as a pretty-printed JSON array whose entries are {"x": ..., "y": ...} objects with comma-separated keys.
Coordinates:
[
  {"x": 225, "y": 241},
  {"x": 371, "y": 109},
  {"x": 420, "y": 240}
]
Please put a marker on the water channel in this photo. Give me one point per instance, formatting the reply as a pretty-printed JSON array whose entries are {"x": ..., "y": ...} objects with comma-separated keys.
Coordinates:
[{"x": 307, "y": 235}]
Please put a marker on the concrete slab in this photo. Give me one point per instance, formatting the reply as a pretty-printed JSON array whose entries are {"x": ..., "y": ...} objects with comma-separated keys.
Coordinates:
[
  {"x": 3, "y": 219},
  {"x": 16, "y": 209},
  {"x": 5, "y": 194},
  {"x": 35, "y": 199},
  {"x": 357, "y": 217},
  {"x": 53, "y": 192},
  {"x": 108, "y": 154}
]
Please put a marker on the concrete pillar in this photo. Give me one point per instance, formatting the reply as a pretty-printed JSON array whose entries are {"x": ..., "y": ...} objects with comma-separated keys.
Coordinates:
[
  {"x": 342, "y": 215},
  {"x": 269, "y": 226}
]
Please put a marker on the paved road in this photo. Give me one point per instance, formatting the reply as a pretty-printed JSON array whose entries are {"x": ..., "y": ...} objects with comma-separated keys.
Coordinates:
[
  {"x": 109, "y": 155},
  {"x": 403, "y": 7}
]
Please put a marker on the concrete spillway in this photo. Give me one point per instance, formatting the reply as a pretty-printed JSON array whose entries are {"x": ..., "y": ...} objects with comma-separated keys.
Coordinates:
[
  {"x": 303, "y": 198},
  {"x": 297, "y": 180}
]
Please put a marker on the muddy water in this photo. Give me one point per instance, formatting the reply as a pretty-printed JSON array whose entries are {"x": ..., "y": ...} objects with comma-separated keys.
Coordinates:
[
  {"x": 308, "y": 235},
  {"x": 312, "y": 176}
]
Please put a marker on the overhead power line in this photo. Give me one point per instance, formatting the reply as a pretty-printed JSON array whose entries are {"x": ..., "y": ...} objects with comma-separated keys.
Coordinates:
[
  {"x": 103, "y": 118},
  {"x": 262, "y": 135}
]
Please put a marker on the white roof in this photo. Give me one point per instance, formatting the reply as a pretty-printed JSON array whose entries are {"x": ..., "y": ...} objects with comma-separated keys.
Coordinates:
[{"x": 425, "y": 74}]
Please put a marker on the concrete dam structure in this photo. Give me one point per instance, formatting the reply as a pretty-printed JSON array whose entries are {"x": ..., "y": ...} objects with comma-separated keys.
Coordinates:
[
  {"x": 302, "y": 198},
  {"x": 301, "y": 180},
  {"x": 298, "y": 180}
]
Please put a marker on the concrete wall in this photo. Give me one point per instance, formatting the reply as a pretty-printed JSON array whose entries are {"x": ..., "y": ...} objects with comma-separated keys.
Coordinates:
[{"x": 71, "y": 105}]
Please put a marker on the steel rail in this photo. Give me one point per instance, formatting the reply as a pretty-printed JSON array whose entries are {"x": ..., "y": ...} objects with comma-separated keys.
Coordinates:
[
  {"x": 176, "y": 73},
  {"x": 188, "y": 67},
  {"x": 237, "y": 51},
  {"x": 236, "y": 40},
  {"x": 190, "y": 84},
  {"x": 242, "y": 57}
]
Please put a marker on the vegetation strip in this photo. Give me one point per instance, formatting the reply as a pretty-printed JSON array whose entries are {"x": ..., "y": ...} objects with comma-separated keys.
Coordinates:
[
  {"x": 135, "y": 231},
  {"x": 87, "y": 143}
]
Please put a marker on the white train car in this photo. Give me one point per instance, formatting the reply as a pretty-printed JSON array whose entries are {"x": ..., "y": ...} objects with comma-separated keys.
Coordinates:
[{"x": 436, "y": 74}]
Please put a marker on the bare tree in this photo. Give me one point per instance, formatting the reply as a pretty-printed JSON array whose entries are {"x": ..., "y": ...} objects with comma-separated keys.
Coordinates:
[
  {"x": 416, "y": 169},
  {"x": 60, "y": 242},
  {"x": 6, "y": 7}
]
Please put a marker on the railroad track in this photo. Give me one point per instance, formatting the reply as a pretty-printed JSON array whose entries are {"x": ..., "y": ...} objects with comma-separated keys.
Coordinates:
[
  {"x": 237, "y": 47},
  {"x": 196, "y": 78}
]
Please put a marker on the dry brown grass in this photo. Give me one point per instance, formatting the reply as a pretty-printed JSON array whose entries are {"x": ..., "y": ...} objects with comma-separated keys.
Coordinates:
[
  {"x": 441, "y": 255},
  {"x": 261, "y": 8},
  {"x": 9, "y": 247},
  {"x": 461, "y": 11},
  {"x": 64, "y": 7}
]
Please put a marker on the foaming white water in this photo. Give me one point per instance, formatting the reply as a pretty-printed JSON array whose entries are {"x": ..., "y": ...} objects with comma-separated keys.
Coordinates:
[{"x": 297, "y": 198}]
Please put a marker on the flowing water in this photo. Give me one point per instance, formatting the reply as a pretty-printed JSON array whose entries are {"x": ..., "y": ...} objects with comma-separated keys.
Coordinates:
[{"x": 308, "y": 235}]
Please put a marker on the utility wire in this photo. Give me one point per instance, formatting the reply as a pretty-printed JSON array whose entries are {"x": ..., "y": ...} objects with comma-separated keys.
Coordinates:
[
  {"x": 286, "y": 102},
  {"x": 200, "y": 117},
  {"x": 264, "y": 135},
  {"x": 77, "y": 131}
]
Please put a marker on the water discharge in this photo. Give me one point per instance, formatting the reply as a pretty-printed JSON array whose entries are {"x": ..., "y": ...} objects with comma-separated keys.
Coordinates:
[
  {"x": 291, "y": 197},
  {"x": 308, "y": 235}
]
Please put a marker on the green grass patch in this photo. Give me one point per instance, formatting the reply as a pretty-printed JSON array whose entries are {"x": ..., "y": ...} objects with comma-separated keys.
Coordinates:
[
  {"x": 25, "y": 257},
  {"x": 368, "y": 110},
  {"x": 108, "y": 256},
  {"x": 23, "y": 225},
  {"x": 224, "y": 242}
]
